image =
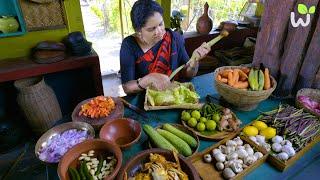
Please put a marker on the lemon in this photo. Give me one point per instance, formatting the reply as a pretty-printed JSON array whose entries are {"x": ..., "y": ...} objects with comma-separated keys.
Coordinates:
[
  {"x": 260, "y": 125},
  {"x": 195, "y": 114},
  {"x": 269, "y": 132},
  {"x": 250, "y": 131},
  {"x": 201, "y": 126}
]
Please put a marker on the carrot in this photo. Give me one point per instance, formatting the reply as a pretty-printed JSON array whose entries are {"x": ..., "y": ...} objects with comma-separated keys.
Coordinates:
[
  {"x": 267, "y": 83},
  {"x": 235, "y": 75},
  {"x": 241, "y": 85},
  {"x": 225, "y": 73},
  {"x": 224, "y": 80},
  {"x": 99, "y": 106},
  {"x": 219, "y": 77},
  {"x": 230, "y": 79},
  {"x": 243, "y": 75},
  {"x": 245, "y": 70}
]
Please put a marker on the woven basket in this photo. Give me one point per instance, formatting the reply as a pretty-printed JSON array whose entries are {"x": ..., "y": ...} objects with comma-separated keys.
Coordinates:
[
  {"x": 313, "y": 94},
  {"x": 244, "y": 100},
  {"x": 38, "y": 103}
]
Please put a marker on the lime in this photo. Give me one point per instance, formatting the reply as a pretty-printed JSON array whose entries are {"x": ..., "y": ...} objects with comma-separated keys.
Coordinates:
[
  {"x": 201, "y": 126},
  {"x": 250, "y": 131},
  {"x": 211, "y": 125},
  {"x": 203, "y": 119},
  {"x": 185, "y": 115},
  {"x": 196, "y": 114},
  {"x": 268, "y": 132},
  {"x": 192, "y": 122},
  {"x": 260, "y": 125},
  {"x": 216, "y": 117}
]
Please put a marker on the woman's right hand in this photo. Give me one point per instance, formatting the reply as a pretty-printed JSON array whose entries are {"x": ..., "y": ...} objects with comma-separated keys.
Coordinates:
[{"x": 157, "y": 80}]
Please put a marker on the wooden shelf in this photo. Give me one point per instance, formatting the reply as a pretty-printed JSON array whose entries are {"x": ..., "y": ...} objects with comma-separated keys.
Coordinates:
[{"x": 18, "y": 68}]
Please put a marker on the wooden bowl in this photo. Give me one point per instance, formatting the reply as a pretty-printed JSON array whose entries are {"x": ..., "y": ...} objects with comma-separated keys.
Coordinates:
[
  {"x": 70, "y": 159},
  {"x": 243, "y": 100},
  {"x": 42, "y": 141},
  {"x": 135, "y": 164},
  {"x": 185, "y": 130},
  {"x": 124, "y": 131},
  {"x": 97, "y": 123}
]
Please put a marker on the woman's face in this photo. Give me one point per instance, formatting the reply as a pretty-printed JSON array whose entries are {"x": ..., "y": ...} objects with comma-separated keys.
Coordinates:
[{"x": 153, "y": 31}]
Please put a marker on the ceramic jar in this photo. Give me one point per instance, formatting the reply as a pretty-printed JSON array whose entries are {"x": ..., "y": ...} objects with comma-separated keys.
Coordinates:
[{"x": 204, "y": 23}]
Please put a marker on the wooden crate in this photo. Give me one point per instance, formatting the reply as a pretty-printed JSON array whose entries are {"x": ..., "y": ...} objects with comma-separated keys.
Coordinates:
[{"x": 207, "y": 171}]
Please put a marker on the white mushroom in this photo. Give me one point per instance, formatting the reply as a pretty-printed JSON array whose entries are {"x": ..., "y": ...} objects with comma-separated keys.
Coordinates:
[
  {"x": 220, "y": 166},
  {"x": 283, "y": 156},
  {"x": 232, "y": 156},
  {"x": 242, "y": 153},
  {"x": 238, "y": 141},
  {"x": 215, "y": 151},
  {"x": 276, "y": 147},
  {"x": 220, "y": 157},
  {"x": 236, "y": 167},
  {"x": 228, "y": 173},
  {"x": 207, "y": 158},
  {"x": 258, "y": 155},
  {"x": 231, "y": 143},
  {"x": 277, "y": 139},
  {"x": 249, "y": 151},
  {"x": 249, "y": 160}
]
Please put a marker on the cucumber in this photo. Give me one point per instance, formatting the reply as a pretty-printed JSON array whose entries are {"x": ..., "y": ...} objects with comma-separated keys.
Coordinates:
[
  {"x": 157, "y": 139},
  {"x": 184, "y": 136},
  {"x": 182, "y": 147}
]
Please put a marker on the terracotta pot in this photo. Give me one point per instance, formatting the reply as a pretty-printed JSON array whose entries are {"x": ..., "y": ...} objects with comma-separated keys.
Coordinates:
[{"x": 204, "y": 23}]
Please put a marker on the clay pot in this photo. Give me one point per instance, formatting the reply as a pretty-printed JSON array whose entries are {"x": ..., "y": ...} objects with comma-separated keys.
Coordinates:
[{"x": 204, "y": 23}]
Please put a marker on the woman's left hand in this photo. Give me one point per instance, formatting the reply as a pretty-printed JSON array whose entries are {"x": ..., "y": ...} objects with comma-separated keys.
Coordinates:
[{"x": 201, "y": 51}]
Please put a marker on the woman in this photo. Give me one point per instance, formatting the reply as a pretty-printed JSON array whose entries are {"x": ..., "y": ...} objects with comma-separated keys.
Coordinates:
[{"x": 150, "y": 55}]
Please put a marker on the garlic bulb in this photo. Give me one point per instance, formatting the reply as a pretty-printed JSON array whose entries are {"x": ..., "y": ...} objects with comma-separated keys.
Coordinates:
[
  {"x": 228, "y": 173},
  {"x": 276, "y": 147},
  {"x": 207, "y": 158},
  {"x": 230, "y": 149},
  {"x": 286, "y": 142},
  {"x": 223, "y": 149},
  {"x": 247, "y": 146},
  {"x": 220, "y": 166},
  {"x": 220, "y": 157},
  {"x": 253, "y": 138},
  {"x": 258, "y": 155},
  {"x": 242, "y": 153},
  {"x": 283, "y": 156},
  {"x": 240, "y": 147},
  {"x": 289, "y": 150},
  {"x": 277, "y": 139},
  {"x": 260, "y": 139},
  {"x": 266, "y": 146}
]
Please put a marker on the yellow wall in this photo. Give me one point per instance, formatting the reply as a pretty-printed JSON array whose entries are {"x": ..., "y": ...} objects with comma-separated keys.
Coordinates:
[{"x": 18, "y": 46}]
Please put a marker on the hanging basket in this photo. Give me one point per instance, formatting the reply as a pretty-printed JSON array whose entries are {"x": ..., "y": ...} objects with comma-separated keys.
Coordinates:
[{"x": 38, "y": 103}]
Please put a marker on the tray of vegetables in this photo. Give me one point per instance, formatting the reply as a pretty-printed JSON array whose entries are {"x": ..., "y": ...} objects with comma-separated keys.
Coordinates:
[
  {"x": 231, "y": 158},
  {"x": 286, "y": 133},
  {"x": 212, "y": 121},
  {"x": 177, "y": 96}
]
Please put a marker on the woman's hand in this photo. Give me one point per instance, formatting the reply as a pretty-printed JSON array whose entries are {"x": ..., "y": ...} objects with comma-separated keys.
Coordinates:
[
  {"x": 156, "y": 80},
  {"x": 201, "y": 51}
]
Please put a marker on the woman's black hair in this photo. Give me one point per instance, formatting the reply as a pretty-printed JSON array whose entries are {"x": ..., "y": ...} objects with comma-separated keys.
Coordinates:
[{"x": 142, "y": 10}]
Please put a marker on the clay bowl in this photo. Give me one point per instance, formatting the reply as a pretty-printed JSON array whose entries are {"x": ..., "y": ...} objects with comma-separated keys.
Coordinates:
[
  {"x": 43, "y": 140},
  {"x": 97, "y": 123},
  {"x": 185, "y": 130},
  {"x": 124, "y": 131},
  {"x": 135, "y": 164},
  {"x": 106, "y": 148}
]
